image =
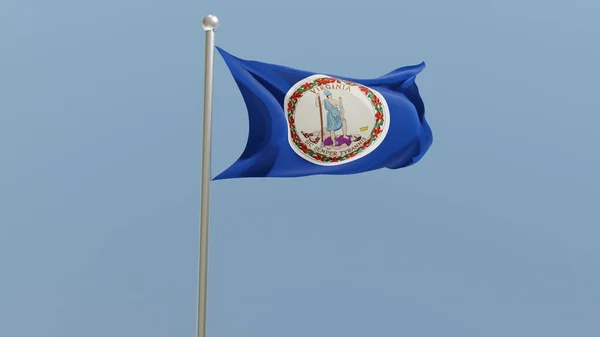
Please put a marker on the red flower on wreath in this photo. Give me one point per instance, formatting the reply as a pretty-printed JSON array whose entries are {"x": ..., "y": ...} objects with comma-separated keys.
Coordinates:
[
  {"x": 375, "y": 100},
  {"x": 296, "y": 95},
  {"x": 334, "y": 159},
  {"x": 378, "y": 116},
  {"x": 318, "y": 156},
  {"x": 303, "y": 147},
  {"x": 291, "y": 119},
  {"x": 290, "y": 106},
  {"x": 322, "y": 81},
  {"x": 377, "y": 131},
  {"x": 307, "y": 86},
  {"x": 365, "y": 90}
]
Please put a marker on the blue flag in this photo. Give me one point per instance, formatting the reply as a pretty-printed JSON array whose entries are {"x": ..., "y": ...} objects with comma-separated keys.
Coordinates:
[{"x": 303, "y": 123}]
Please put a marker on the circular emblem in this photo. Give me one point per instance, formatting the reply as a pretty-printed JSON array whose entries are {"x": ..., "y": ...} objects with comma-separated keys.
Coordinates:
[{"x": 333, "y": 121}]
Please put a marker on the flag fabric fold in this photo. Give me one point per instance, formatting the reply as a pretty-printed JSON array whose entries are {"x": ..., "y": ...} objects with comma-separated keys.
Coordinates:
[{"x": 304, "y": 123}]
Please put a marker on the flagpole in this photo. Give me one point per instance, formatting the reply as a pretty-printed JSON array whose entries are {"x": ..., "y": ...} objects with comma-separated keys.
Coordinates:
[{"x": 209, "y": 24}]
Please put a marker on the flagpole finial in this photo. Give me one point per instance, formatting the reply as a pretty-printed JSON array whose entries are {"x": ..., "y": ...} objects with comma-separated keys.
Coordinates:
[{"x": 210, "y": 22}]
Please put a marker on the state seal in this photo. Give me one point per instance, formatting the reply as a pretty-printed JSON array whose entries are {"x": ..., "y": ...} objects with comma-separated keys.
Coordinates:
[{"x": 333, "y": 121}]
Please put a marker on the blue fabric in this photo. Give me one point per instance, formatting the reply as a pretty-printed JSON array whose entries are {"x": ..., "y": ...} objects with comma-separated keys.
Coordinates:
[{"x": 268, "y": 153}]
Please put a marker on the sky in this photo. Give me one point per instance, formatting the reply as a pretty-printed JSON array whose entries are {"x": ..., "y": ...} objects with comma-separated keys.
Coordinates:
[{"x": 492, "y": 234}]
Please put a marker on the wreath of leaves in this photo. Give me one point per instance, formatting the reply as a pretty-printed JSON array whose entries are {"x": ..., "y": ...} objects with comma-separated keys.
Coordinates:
[{"x": 373, "y": 99}]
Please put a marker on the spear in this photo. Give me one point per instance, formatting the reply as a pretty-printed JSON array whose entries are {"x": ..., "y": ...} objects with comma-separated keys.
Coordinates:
[{"x": 321, "y": 116}]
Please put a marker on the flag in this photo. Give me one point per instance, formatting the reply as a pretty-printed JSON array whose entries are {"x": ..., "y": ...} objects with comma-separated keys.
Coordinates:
[{"x": 303, "y": 123}]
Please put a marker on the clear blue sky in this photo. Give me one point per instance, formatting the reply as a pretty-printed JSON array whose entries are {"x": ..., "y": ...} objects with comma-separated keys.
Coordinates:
[{"x": 493, "y": 234}]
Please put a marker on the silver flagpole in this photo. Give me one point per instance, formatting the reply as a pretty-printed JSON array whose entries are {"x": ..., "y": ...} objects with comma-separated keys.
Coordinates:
[{"x": 209, "y": 24}]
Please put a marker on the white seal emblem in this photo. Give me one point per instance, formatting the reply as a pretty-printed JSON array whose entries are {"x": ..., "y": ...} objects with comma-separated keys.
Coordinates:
[{"x": 333, "y": 121}]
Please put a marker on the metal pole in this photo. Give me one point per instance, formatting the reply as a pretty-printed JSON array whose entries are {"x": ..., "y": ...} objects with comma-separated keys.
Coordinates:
[{"x": 209, "y": 24}]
